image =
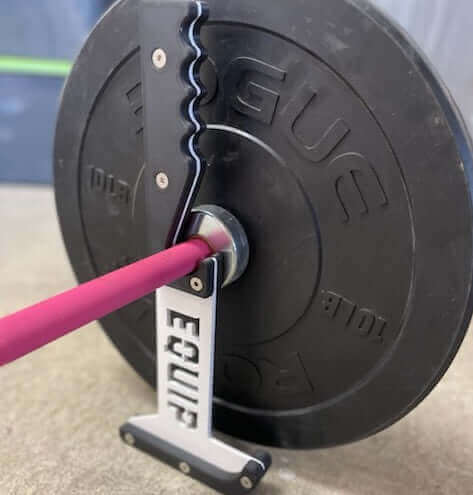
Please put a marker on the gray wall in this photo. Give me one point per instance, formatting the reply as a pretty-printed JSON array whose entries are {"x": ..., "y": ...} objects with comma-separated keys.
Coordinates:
[
  {"x": 47, "y": 28},
  {"x": 444, "y": 30}
]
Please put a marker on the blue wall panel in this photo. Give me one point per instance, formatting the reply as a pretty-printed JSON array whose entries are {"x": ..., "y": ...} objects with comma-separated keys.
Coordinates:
[{"x": 28, "y": 105}]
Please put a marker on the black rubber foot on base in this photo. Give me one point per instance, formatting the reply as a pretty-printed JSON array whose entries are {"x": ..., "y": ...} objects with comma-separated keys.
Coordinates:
[{"x": 227, "y": 483}]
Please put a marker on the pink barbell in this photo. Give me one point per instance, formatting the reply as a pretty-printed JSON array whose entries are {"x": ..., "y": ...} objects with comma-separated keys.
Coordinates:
[{"x": 42, "y": 323}]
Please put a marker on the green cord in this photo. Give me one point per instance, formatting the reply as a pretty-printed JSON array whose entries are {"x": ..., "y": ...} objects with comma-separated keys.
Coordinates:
[{"x": 34, "y": 66}]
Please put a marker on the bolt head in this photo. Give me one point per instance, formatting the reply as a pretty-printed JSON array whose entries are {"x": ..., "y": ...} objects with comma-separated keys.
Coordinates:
[
  {"x": 129, "y": 439},
  {"x": 246, "y": 483},
  {"x": 159, "y": 58},
  {"x": 162, "y": 180},
  {"x": 184, "y": 467},
  {"x": 196, "y": 284}
]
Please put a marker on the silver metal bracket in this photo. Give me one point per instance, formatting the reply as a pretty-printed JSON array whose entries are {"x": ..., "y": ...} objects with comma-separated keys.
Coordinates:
[{"x": 181, "y": 433}]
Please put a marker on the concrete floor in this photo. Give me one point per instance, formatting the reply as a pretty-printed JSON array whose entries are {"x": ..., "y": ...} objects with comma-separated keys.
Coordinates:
[{"x": 61, "y": 407}]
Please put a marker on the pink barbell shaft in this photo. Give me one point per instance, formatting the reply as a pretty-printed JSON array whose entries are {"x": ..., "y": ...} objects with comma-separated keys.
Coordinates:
[{"x": 38, "y": 325}]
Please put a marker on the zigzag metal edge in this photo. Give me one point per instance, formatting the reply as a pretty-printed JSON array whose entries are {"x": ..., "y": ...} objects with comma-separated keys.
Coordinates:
[{"x": 198, "y": 90}]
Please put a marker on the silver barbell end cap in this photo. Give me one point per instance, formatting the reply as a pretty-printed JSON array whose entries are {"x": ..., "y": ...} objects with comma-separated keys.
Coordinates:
[{"x": 225, "y": 235}]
